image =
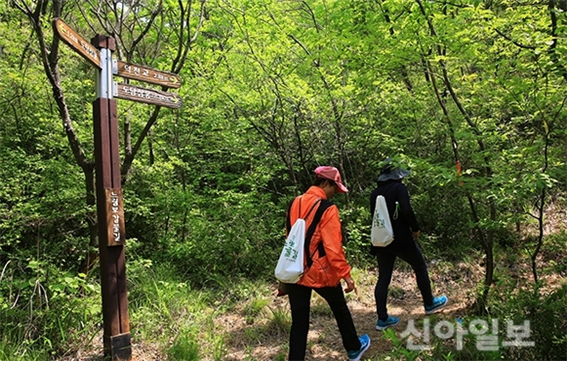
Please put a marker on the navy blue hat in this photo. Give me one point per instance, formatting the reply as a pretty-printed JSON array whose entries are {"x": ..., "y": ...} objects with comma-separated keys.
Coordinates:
[{"x": 392, "y": 170}]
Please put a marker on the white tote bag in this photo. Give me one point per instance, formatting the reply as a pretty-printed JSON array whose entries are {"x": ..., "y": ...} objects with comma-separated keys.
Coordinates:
[
  {"x": 382, "y": 233},
  {"x": 290, "y": 264}
]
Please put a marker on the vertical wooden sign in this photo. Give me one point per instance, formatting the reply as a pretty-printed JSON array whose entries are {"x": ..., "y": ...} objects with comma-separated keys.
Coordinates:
[{"x": 115, "y": 217}]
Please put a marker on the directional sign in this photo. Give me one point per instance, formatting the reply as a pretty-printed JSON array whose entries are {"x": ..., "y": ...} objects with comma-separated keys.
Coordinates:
[
  {"x": 148, "y": 96},
  {"x": 76, "y": 42},
  {"x": 147, "y": 74}
]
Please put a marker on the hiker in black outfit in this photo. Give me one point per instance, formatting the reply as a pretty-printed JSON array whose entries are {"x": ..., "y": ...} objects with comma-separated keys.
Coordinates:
[{"x": 406, "y": 232}]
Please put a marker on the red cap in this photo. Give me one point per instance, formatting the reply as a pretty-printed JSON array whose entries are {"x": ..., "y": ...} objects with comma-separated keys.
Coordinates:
[{"x": 331, "y": 173}]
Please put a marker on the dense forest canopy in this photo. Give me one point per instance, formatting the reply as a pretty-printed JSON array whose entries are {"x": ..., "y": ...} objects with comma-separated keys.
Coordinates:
[{"x": 471, "y": 95}]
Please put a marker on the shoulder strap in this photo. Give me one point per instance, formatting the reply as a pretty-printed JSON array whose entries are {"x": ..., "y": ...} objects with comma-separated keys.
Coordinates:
[
  {"x": 324, "y": 204},
  {"x": 310, "y": 210},
  {"x": 311, "y": 230},
  {"x": 389, "y": 186},
  {"x": 288, "y": 219}
]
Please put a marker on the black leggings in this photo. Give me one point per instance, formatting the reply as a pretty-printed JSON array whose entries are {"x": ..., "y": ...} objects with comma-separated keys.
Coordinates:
[
  {"x": 300, "y": 302},
  {"x": 386, "y": 260}
]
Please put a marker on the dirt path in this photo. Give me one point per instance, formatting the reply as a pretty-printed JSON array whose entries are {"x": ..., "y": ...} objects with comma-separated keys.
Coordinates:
[
  {"x": 324, "y": 342},
  {"x": 260, "y": 338}
]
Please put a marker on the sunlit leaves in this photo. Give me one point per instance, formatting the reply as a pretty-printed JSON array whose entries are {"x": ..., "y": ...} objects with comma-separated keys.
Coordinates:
[{"x": 273, "y": 88}]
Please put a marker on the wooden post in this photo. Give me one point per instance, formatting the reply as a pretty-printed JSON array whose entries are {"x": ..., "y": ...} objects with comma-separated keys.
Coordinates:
[
  {"x": 110, "y": 207},
  {"x": 117, "y": 339}
]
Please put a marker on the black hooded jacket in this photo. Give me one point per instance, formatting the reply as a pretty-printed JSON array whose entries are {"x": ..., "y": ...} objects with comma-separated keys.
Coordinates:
[{"x": 406, "y": 222}]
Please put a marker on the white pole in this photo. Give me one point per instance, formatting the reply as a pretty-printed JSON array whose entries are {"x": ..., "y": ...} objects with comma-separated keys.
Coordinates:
[{"x": 104, "y": 86}]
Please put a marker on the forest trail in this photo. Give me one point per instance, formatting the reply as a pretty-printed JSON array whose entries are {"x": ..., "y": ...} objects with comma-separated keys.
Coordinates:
[
  {"x": 324, "y": 341},
  {"x": 261, "y": 339}
]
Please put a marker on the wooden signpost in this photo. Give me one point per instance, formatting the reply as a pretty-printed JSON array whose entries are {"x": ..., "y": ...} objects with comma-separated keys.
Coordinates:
[
  {"x": 148, "y": 96},
  {"x": 147, "y": 74},
  {"x": 110, "y": 206},
  {"x": 76, "y": 42}
]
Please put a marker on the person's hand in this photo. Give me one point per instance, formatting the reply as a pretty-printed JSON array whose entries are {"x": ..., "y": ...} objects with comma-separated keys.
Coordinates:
[
  {"x": 350, "y": 285},
  {"x": 416, "y": 235}
]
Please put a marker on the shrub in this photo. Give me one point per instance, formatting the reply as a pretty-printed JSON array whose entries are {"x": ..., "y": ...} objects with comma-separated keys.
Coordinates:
[{"x": 548, "y": 323}]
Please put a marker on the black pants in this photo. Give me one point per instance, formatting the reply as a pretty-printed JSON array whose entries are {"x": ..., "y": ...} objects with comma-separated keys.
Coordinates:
[
  {"x": 411, "y": 254},
  {"x": 300, "y": 302}
]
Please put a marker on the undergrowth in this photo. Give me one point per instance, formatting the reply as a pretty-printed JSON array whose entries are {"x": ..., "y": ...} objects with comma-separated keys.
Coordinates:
[{"x": 232, "y": 318}]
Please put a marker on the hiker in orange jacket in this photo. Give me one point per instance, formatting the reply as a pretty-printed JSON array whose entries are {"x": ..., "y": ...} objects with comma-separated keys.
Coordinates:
[{"x": 325, "y": 267}]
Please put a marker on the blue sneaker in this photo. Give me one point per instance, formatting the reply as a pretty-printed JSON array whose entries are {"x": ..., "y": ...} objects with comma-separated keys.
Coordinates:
[
  {"x": 438, "y": 302},
  {"x": 389, "y": 322},
  {"x": 364, "y": 345}
]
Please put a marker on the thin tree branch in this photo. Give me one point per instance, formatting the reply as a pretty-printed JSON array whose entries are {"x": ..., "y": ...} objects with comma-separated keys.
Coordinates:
[{"x": 513, "y": 41}]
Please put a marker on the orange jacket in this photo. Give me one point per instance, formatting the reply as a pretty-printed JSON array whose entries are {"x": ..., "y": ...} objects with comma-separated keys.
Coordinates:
[{"x": 326, "y": 271}]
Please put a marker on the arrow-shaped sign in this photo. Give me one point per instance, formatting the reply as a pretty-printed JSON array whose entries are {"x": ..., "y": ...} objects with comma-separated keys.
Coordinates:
[
  {"x": 148, "y": 96},
  {"x": 76, "y": 42},
  {"x": 147, "y": 74}
]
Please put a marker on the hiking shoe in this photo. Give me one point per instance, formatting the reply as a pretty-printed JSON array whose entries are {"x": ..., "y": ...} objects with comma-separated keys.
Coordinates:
[
  {"x": 364, "y": 345},
  {"x": 438, "y": 302},
  {"x": 389, "y": 322}
]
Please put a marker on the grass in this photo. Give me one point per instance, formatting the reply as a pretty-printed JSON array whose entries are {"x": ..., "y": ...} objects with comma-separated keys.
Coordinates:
[
  {"x": 239, "y": 319},
  {"x": 46, "y": 317},
  {"x": 184, "y": 348},
  {"x": 242, "y": 321},
  {"x": 184, "y": 324},
  {"x": 281, "y": 320}
]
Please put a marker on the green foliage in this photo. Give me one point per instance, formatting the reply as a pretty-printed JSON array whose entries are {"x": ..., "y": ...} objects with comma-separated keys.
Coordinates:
[
  {"x": 48, "y": 316},
  {"x": 554, "y": 253},
  {"x": 271, "y": 89},
  {"x": 254, "y": 308},
  {"x": 356, "y": 230},
  {"x": 543, "y": 314},
  {"x": 182, "y": 320},
  {"x": 399, "y": 352},
  {"x": 184, "y": 348},
  {"x": 439, "y": 349},
  {"x": 229, "y": 237},
  {"x": 281, "y": 320},
  {"x": 547, "y": 323}
]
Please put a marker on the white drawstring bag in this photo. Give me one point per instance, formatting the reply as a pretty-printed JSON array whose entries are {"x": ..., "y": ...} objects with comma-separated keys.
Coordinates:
[
  {"x": 290, "y": 264},
  {"x": 382, "y": 233}
]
